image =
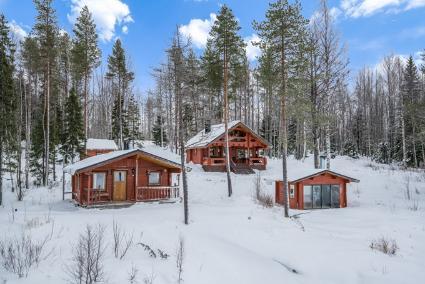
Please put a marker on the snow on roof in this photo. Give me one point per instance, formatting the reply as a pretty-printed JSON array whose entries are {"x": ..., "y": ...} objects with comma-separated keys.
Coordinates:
[
  {"x": 307, "y": 173},
  {"x": 91, "y": 161},
  {"x": 203, "y": 139},
  {"x": 101, "y": 144},
  {"x": 161, "y": 152}
]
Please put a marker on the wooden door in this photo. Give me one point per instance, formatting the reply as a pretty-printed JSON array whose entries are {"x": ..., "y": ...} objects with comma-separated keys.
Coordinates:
[{"x": 120, "y": 185}]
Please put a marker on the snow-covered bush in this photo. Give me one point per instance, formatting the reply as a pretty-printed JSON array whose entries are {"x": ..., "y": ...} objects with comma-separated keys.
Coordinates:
[
  {"x": 385, "y": 246},
  {"x": 260, "y": 196},
  {"x": 382, "y": 153},
  {"x": 122, "y": 240},
  {"x": 87, "y": 260},
  {"x": 350, "y": 150},
  {"x": 21, "y": 253},
  {"x": 180, "y": 256}
]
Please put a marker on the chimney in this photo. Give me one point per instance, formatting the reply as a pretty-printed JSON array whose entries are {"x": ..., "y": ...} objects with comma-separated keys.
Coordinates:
[{"x": 207, "y": 126}]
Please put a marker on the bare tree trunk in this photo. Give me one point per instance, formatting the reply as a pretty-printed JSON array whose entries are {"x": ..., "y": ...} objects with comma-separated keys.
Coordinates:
[
  {"x": 328, "y": 146},
  {"x": 47, "y": 128},
  {"x": 226, "y": 128}
]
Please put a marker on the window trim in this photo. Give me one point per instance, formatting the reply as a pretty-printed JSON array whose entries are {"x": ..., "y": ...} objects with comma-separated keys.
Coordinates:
[
  {"x": 292, "y": 191},
  {"x": 104, "y": 181},
  {"x": 159, "y": 178}
]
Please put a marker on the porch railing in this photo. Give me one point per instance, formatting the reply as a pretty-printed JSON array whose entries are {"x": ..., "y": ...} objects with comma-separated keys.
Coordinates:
[
  {"x": 257, "y": 161},
  {"x": 151, "y": 193}
]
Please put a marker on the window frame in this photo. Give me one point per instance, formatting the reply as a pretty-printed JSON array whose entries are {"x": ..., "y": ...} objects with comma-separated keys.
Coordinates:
[
  {"x": 95, "y": 181},
  {"x": 159, "y": 178},
  {"x": 292, "y": 191}
]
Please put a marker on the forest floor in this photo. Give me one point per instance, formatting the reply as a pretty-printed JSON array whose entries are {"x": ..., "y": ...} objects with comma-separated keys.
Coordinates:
[{"x": 236, "y": 240}]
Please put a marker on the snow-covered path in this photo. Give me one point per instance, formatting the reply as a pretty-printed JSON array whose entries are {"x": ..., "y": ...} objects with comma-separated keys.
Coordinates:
[{"x": 235, "y": 240}]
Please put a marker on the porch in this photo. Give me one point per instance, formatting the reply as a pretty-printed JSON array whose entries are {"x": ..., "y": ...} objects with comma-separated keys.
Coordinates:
[
  {"x": 90, "y": 197},
  {"x": 240, "y": 157}
]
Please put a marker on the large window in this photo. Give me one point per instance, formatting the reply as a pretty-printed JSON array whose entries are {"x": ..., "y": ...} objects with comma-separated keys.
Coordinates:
[
  {"x": 99, "y": 181},
  {"x": 321, "y": 196},
  {"x": 154, "y": 178}
]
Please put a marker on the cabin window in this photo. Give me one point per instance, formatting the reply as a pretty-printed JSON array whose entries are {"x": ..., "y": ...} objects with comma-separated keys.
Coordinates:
[
  {"x": 153, "y": 178},
  {"x": 99, "y": 181},
  {"x": 292, "y": 191},
  {"x": 321, "y": 196}
]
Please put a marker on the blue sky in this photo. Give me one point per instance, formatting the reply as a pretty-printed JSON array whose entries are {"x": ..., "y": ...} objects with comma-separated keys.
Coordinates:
[{"x": 370, "y": 28}]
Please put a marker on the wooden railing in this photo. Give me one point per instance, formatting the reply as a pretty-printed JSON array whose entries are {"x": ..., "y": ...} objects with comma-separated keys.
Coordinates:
[
  {"x": 95, "y": 196},
  {"x": 151, "y": 193},
  {"x": 257, "y": 161}
]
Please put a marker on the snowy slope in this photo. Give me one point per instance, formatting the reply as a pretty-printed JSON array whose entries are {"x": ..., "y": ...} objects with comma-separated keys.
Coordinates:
[{"x": 235, "y": 240}]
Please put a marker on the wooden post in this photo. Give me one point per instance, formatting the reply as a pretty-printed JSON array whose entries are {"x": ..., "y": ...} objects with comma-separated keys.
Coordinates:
[
  {"x": 88, "y": 189},
  {"x": 137, "y": 178}
]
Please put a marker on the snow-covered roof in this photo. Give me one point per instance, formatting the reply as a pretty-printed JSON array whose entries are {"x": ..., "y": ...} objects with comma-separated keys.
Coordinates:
[
  {"x": 101, "y": 144},
  {"x": 100, "y": 159},
  {"x": 202, "y": 139},
  {"x": 316, "y": 172}
]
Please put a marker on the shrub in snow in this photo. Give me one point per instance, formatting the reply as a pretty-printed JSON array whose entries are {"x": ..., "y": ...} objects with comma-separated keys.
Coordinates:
[
  {"x": 385, "y": 245},
  {"x": 19, "y": 254},
  {"x": 350, "y": 150},
  {"x": 382, "y": 153},
  {"x": 132, "y": 275},
  {"x": 180, "y": 260},
  {"x": 148, "y": 249},
  {"x": 122, "y": 241},
  {"x": 264, "y": 199},
  {"x": 87, "y": 260}
]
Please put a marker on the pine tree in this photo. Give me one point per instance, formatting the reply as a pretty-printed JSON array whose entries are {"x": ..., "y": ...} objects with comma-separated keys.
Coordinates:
[
  {"x": 283, "y": 32},
  {"x": 46, "y": 32},
  {"x": 8, "y": 100},
  {"x": 159, "y": 134},
  {"x": 121, "y": 78},
  {"x": 85, "y": 54},
  {"x": 74, "y": 129},
  {"x": 228, "y": 44}
]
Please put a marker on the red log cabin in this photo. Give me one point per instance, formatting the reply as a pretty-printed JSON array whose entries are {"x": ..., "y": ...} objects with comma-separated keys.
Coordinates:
[
  {"x": 124, "y": 176},
  {"x": 324, "y": 189},
  {"x": 207, "y": 148}
]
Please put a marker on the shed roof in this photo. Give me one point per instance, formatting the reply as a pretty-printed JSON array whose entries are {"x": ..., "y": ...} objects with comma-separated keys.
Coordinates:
[
  {"x": 100, "y": 160},
  {"x": 321, "y": 172},
  {"x": 101, "y": 144},
  {"x": 202, "y": 139}
]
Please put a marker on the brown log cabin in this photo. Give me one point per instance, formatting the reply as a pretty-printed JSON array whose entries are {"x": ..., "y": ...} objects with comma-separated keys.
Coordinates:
[
  {"x": 123, "y": 177},
  {"x": 320, "y": 190},
  {"x": 207, "y": 148}
]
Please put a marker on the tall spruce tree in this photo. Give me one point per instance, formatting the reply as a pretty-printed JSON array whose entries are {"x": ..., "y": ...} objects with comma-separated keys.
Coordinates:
[
  {"x": 8, "y": 100},
  {"x": 121, "y": 79},
  {"x": 73, "y": 139},
  {"x": 229, "y": 45},
  {"x": 85, "y": 54},
  {"x": 283, "y": 32},
  {"x": 133, "y": 116}
]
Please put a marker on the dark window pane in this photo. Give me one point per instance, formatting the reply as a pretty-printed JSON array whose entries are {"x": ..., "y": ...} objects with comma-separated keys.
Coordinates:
[
  {"x": 335, "y": 196},
  {"x": 326, "y": 196},
  {"x": 317, "y": 201},
  {"x": 307, "y": 197}
]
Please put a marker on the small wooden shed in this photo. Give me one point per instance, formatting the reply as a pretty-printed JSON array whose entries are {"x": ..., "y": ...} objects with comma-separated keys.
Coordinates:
[
  {"x": 99, "y": 146},
  {"x": 323, "y": 189},
  {"x": 124, "y": 176}
]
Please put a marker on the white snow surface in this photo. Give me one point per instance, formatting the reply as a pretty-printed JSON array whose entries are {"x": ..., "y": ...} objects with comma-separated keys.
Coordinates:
[
  {"x": 202, "y": 139},
  {"x": 236, "y": 240},
  {"x": 101, "y": 144}
]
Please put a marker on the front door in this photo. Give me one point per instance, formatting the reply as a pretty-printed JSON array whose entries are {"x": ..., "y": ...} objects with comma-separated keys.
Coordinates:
[{"x": 119, "y": 193}]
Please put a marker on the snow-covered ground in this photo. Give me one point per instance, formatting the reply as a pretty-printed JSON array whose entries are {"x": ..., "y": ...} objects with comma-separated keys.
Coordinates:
[{"x": 235, "y": 240}]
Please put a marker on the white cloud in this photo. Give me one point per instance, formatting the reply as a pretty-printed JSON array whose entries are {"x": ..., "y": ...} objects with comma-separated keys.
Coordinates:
[
  {"x": 364, "y": 8},
  {"x": 106, "y": 14},
  {"x": 252, "y": 51},
  {"x": 17, "y": 31},
  {"x": 197, "y": 30},
  {"x": 124, "y": 29}
]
